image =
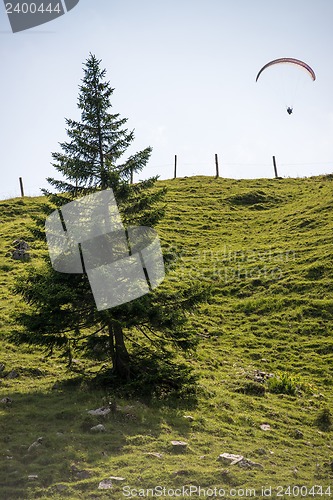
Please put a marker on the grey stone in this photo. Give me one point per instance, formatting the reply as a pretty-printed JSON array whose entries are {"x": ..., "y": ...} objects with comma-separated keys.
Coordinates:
[
  {"x": 34, "y": 446},
  {"x": 156, "y": 455},
  {"x": 2, "y": 367},
  {"x": 21, "y": 244},
  {"x": 231, "y": 459},
  {"x": 179, "y": 445},
  {"x": 106, "y": 484},
  {"x": 32, "y": 477},
  {"x": 21, "y": 255},
  {"x": 189, "y": 418},
  {"x": 98, "y": 428},
  {"x": 100, "y": 411},
  {"x": 12, "y": 374},
  {"x": 245, "y": 463},
  {"x": 265, "y": 427},
  {"x": 6, "y": 401}
]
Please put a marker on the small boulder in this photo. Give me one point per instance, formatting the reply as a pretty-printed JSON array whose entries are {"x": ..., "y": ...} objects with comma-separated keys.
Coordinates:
[
  {"x": 245, "y": 463},
  {"x": 21, "y": 244},
  {"x": 230, "y": 458},
  {"x": 21, "y": 255},
  {"x": 6, "y": 401},
  {"x": 248, "y": 464},
  {"x": 100, "y": 411},
  {"x": 156, "y": 455},
  {"x": 35, "y": 445},
  {"x": 98, "y": 428},
  {"x": 106, "y": 484},
  {"x": 179, "y": 445}
]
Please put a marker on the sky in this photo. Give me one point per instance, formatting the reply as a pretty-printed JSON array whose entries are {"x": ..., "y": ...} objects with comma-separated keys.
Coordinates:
[{"x": 184, "y": 75}]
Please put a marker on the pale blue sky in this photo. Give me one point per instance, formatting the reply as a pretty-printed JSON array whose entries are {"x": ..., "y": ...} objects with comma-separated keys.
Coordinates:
[{"x": 184, "y": 75}]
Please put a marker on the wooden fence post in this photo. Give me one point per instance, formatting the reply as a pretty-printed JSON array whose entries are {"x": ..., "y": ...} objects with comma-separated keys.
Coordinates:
[
  {"x": 21, "y": 186},
  {"x": 275, "y": 169},
  {"x": 217, "y": 166},
  {"x": 175, "y": 170}
]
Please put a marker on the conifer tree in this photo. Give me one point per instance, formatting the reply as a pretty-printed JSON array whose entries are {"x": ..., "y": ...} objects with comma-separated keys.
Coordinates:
[{"x": 62, "y": 312}]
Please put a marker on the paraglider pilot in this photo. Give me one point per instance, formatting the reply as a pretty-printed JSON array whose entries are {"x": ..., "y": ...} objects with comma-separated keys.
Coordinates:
[{"x": 289, "y": 110}]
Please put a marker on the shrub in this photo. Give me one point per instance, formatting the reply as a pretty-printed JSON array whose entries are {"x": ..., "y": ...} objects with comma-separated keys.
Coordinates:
[{"x": 283, "y": 383}]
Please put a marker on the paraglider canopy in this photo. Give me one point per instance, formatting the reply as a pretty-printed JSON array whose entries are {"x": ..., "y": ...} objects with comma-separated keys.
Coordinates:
[{"x": 289, "y": 60}]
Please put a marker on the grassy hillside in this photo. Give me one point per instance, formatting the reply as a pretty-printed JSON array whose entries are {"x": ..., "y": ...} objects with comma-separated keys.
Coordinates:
[{"x": 264, "y": 361}]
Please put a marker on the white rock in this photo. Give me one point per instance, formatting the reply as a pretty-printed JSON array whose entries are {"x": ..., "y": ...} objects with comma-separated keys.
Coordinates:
[
  {"x": 239, "y": 460},
  {"x": 6, "y": 401},
  {"x": 248, "y": 464},
  {"x": 106, "y": 484},
  {"x": 100, "y": 411},
  {"x": 34, "y": 446},
  {"x": 178, "y": 444},
  {"x": 98, "y": 428},
  {"x": 156, "y": 455},
  {"x": 230, "y": 458},
  {"x": 265, "y": 427}
]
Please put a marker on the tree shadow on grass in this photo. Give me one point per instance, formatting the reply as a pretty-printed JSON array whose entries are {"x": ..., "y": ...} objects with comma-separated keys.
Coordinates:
[
  {"x": 72, "y": 456},
  {"x": 154, "y": 379}
]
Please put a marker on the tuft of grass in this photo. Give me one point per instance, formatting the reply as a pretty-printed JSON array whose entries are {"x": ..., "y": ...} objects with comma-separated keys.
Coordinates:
[{"x": 284, "y": 383}]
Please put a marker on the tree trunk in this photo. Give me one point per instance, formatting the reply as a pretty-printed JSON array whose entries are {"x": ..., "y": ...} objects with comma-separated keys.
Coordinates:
[{"x": 119, "y": 353}]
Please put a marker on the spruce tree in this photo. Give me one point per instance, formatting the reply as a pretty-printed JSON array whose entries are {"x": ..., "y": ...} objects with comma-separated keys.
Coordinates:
[{"x": 62, "y": 312}]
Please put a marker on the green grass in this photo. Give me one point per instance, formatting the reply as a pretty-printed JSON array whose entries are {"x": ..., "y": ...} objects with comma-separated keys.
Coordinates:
[{"x": 266, "y": 248}]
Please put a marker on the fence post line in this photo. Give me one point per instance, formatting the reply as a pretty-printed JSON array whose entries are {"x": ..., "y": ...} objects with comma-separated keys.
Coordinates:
[
  {"x": 21, "y": 186},
  {"x": 175, "y": 170},
  {"x": 217, "y": 166},
  {"x": 275, "y": 169}
]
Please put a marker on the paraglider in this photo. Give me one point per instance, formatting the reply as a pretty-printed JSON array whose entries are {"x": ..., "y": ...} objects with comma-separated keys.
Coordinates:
[{"x": 289, "y": 60}]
